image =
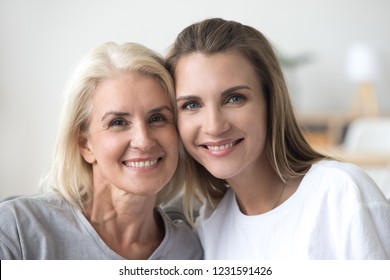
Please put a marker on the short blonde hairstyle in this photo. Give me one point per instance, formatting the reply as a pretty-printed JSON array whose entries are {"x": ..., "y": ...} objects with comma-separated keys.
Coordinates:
[
  {"x": 71, "y": 175},
  {"x": 288, "y": 152}
]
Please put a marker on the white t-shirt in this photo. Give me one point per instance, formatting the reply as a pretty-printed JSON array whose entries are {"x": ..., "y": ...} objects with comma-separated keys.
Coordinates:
[
  {"x": 337, "y": 212},
  {"x": 46, "y": 227}
]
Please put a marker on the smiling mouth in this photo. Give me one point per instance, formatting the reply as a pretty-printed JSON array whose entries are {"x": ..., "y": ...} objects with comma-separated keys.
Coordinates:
[
  {"x": 222, "y": 147},
  {"x": 142, "y": 164}
]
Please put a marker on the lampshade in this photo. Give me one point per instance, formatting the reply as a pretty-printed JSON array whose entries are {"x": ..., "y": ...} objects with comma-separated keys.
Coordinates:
[{"x": 361, "y": 63}]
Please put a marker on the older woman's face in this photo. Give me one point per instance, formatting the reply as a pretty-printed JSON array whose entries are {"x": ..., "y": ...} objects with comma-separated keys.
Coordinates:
[{"x": 132, "y": 143}]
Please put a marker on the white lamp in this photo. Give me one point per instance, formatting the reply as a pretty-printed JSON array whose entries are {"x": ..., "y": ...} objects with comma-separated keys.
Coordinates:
[{"x": 362, "y": 69}]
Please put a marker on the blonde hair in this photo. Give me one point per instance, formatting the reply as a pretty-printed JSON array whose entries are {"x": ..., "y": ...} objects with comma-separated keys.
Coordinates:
[
  {"x": 288, "y": 152},
  {"x": 71, "y": 175}
]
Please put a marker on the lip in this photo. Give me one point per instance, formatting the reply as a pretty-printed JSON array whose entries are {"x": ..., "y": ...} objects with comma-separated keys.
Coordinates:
[
  {"x": 221, "y": 148},
  {"x": 142, "y": 164}
]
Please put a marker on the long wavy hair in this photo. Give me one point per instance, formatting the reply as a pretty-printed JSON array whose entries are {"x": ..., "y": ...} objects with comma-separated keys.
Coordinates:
[
  {"x": 288, "y": 152},
  {"x": 70, "y": 174}
]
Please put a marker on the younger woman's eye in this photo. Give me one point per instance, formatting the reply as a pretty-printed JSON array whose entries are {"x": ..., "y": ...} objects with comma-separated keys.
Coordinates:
[
  {"x": 236, "y": 99},
  {"x": 191, "y": 106}
]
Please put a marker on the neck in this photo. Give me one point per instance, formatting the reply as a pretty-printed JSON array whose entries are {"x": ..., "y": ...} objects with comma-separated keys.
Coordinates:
[
  {"x": 255, "y": 200},
  {"x": 260, "y": 192},
  {"x": 128, "y": 224}
]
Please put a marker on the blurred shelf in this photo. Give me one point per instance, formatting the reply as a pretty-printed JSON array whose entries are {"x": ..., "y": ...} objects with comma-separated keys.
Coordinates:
[
  {"x": 324, "y": 129},
  {"x": 362, "y": 159},
  {"x": 325, "y": 133}
]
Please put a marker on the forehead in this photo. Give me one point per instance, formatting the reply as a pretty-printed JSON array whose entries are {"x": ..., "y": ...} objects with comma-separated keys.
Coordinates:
[
  {"x": 130, "y": 90},
  {"x": 227, "y": 69}
]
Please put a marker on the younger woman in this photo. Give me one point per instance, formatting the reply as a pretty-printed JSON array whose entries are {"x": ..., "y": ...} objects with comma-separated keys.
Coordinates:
[{"x": 267, "y": 193}]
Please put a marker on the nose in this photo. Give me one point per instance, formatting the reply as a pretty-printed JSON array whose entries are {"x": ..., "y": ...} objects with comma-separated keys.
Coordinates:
[
  {"x": 142, "y": 137},
  {"x": 216, "y": 122}
]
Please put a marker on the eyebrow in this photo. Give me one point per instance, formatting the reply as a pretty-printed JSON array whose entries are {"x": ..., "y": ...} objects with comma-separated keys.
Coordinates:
[
  {"x": 115, "y": 113},
  {"x": 227, "y": 91},
  {"x": 161, "y": 108},
  {"x": 187, "y": 97},
  {"x": 125, "y": 114}
]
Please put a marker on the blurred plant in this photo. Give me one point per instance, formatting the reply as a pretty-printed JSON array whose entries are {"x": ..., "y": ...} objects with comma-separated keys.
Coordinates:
[{"x": 290, "y": 63}]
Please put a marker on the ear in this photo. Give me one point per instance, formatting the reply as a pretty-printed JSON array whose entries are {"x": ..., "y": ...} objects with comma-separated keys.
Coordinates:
[{"x": 85, "y": 150}]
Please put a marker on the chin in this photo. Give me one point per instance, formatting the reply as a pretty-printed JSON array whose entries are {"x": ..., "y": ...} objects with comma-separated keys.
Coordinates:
[{"x": 221, "y": 174}]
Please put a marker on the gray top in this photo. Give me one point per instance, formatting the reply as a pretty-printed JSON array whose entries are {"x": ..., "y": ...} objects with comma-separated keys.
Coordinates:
[{"x": 48, "y": 227}]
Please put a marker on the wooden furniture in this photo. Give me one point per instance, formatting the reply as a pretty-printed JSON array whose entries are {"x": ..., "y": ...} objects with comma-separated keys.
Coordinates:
[
  {"x": 324, "y": 130},
  {"x": 326, "y": 133},
  {"x": 355, "y": 140}
]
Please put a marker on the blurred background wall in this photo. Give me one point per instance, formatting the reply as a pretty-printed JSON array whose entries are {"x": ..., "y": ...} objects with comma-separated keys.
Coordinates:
[{"x": 42, "y": 40}]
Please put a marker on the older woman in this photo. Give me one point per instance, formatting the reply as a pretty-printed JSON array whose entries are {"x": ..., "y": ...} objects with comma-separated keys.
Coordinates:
[{"x": 114, "y": 164}]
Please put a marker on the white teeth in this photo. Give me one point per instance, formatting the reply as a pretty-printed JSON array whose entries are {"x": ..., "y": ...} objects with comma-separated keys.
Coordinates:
[
  {"x": 140, "y": 164},
  {"x": 222, "y": 147}
]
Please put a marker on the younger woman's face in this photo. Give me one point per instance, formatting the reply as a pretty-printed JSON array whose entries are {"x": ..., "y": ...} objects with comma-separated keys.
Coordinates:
[{"x": 222, "y": 113}]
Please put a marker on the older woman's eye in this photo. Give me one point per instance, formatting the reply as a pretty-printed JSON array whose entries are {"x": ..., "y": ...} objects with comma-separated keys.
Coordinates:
[
  {"x": 118, "y": 123},
  {"x": 158, "y": 119}
]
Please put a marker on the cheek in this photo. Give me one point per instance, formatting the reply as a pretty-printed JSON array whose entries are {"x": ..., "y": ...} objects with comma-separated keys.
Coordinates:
[
  {"x": 169, "y": 140},
  {"x": 255, "y": 118},
  {"x": 111, "y": 147},
  {"x": 185, "y": 127},
  {"x": 258, "y": 131},
  {"x": 188, "y": 136}
]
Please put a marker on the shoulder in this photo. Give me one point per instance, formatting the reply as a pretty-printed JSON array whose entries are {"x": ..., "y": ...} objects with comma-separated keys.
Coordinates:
[
  {"x": 336, "y": 171},
  {"x": 181, "y": 241},
  {"x": 338, "y": 167},
  {"x": 29, "y": 218},
  {"x": 344, "y": 180},
  {"x": 207, "y": 211},
  {"x": 212, "y": 219},
  {"x": 34, "y": 203},
  {"x": 176, "y": 225},
  {"x": 28, "y": 210}
]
